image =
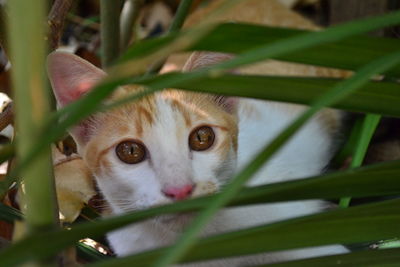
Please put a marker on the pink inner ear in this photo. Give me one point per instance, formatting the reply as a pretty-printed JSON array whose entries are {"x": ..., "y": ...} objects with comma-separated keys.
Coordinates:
[
  {"x": 80, "y": 90},
  {"x": 71, "y": 76},
  {"x": 204, "y": 59}
]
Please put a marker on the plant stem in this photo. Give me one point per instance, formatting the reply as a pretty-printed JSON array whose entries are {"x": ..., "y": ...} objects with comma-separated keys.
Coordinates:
[
  {"x": 129, "y": 15},
  {"x": 369, "y": 124},
  {"x": 56, "y": 18},
  {"x": 181, "y": 14},
  {"x": 109, "y": 16},
  {"x": 179, "y": 19},
  {"x": 31, "y": 95}
]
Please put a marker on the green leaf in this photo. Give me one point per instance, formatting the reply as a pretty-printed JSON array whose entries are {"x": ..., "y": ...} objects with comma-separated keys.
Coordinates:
[
  {"x": 9, "y": 214},
  {"x": 381, "y": 97},
  {"x": 6, "y": 152},
  {"x": 370, "y": 258},
  {"x": 368, "y": 126},
  {"x": 392, "y": 243},
  {"x": 350, "y": 53},
  {"x": 380, "y": 179},
  {"x": 357, "y": 224}
]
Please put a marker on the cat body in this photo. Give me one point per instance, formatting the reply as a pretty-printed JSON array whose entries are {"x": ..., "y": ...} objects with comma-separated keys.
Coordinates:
[{"x": 175, "y": 145}]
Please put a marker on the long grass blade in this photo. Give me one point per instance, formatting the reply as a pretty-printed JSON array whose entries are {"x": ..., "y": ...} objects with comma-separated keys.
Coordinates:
[
  {"x": 368, "y": 126},
  {"x": 9, "y": 214},
  {"x": 380, "y": 97},
  {"x": 349, "y": 53},
  {"x": 370, "y": 258},
  {"x": 179, "y": 19},
  {"x": 355, "y": 224}
]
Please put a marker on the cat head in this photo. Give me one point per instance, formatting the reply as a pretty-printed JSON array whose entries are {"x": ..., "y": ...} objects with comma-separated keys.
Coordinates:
[{"x": 165, "y": 147}]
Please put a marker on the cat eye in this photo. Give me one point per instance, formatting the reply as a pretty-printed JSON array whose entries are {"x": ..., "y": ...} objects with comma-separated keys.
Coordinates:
[
  {"x": 201, "y": 138},
  {"x": 131, "y": 152}
]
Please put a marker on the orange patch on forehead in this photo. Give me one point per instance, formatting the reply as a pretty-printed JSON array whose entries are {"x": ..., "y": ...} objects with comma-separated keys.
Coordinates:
[
  {"x": 138, "y": 127},
  {"x": 177, "y": 105},
  {"x": 137, "y": 114},
  {"x": 122, "y": 129},
  {"x": 144, "y": 113}
]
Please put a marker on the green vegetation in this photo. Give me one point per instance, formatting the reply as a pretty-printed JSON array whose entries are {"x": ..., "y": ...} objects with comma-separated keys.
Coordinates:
[{"x": 342, "y": 46}]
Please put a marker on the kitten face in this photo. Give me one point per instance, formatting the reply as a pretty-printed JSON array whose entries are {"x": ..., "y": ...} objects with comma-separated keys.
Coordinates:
[
  {"x": 162, "y": 124},
  {"x": 165, "y": 147}
]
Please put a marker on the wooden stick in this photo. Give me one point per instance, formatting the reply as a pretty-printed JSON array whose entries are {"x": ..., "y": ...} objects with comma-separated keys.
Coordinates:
[
  {"x": 7, "y": 116},
  {"x": 56, "y": 19}
]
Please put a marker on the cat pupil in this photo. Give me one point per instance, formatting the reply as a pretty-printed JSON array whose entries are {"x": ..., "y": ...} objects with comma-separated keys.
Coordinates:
[{"x": 199, "y": 137}]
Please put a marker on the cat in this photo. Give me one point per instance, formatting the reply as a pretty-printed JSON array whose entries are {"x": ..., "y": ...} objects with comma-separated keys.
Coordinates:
[{"x": 175, "y": 145}]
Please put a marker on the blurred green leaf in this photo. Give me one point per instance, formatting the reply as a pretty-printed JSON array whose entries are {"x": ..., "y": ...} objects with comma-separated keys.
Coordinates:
[
  {"x": 370, "y": 258},
  {"x": 357, "y": 224},
  {"x": 382, "y": 97},
  {"x": 391, "y": 243},
  {"x": 350, "y": 53},
  {"x": 6, "y": 152},
  {"x": 364, "y": 136},
  {"x": 9, "y": 214}
]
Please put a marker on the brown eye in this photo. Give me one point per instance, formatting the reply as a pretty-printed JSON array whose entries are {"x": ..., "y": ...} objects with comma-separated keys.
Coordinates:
[
  {"x": 201, "y": 138},
  {"x": 130, "y": 152}
]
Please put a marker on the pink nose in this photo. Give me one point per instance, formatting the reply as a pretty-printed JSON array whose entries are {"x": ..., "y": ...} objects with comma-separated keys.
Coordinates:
[{"x": 178, "y": 193}]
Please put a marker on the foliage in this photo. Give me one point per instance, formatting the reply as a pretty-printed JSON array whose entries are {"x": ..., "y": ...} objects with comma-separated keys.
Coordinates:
[{"x": 341, "y": 46}]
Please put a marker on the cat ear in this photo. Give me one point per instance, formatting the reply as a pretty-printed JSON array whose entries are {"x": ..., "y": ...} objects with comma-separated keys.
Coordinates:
[
  {"x": 199, "y": 60},
  {"x": 71, "y": 76},
  {"x": 204, "y": 59}
]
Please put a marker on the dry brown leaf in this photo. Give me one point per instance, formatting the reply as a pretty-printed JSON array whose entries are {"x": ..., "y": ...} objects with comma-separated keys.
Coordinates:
[{"x": 74, "y": 185}]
